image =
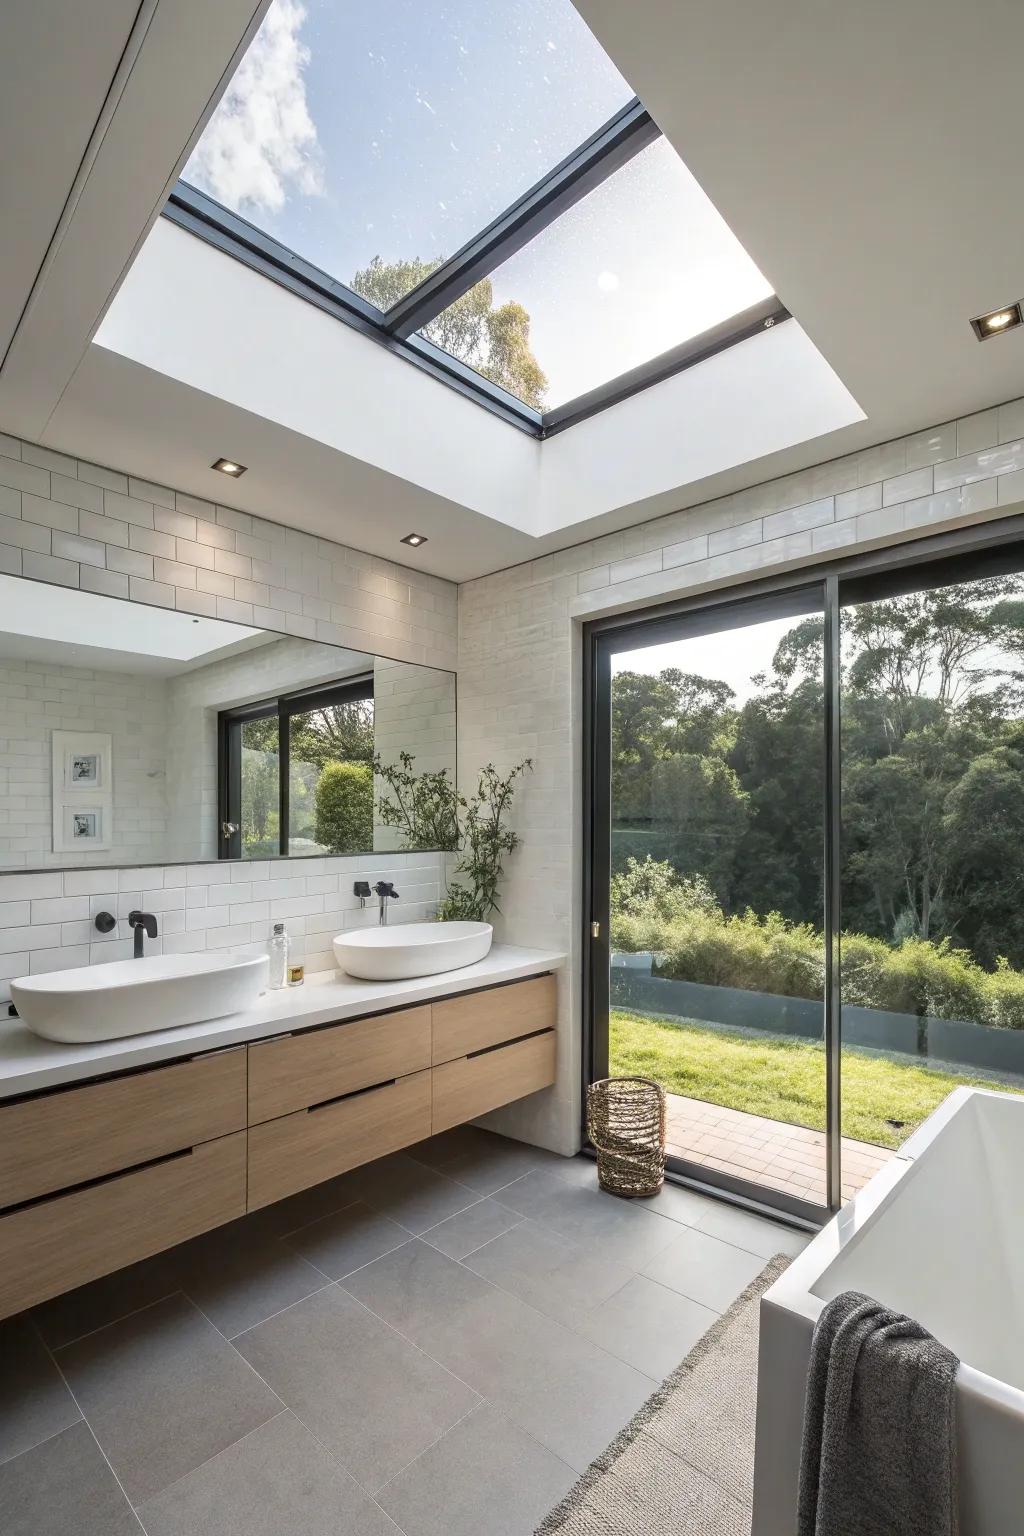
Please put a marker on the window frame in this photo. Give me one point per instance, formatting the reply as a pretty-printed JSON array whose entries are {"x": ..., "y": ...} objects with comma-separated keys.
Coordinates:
[
  {"x": 917, "y": 564},
  {"x": 612, "y": 146},
  {"x": 229, "y": 754}
]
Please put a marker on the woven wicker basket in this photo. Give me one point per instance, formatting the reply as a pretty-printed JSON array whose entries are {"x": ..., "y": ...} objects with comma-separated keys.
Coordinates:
[{"x": 626, "y": 1123}]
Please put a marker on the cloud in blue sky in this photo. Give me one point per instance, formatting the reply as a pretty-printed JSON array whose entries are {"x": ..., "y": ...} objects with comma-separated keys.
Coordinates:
[{"x": 261, "y": 143}]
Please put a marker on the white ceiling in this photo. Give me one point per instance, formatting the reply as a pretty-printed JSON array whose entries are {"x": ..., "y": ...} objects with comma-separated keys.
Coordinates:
[{"x": 866, "y": 157}]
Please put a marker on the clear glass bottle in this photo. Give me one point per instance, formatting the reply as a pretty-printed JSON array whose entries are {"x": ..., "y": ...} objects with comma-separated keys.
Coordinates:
[{"x": 278, "y": 952}]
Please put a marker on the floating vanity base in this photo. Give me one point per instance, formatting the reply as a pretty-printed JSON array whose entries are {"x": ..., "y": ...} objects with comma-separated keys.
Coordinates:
[{"x": 103, "y": 1173}]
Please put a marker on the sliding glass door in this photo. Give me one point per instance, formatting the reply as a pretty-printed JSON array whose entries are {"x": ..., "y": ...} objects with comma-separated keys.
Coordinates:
[
  {"x": 932, "y": 794},
  {"x": 713, "y": 784},
  {"x": 806, "y": 871}
]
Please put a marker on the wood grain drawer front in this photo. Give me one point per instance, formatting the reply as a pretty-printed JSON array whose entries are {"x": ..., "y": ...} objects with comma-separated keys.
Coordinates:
[
  {"x": 480, "y": 1019},
  {"x": 290, "y": 1074},
  {"x": 51, "y": 1246},
  {"x": 470, "y": 1087},
  {"x": 298, "y": 1150},
  {"x": 76, "y": 1134}
]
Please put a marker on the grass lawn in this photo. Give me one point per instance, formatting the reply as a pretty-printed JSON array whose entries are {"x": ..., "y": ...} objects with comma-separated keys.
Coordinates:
[{"x": 782, "y": 1079}]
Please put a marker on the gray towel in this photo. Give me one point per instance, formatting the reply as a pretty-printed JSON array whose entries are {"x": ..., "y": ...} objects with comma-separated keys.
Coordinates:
[{"x": 879, "y": 1441}]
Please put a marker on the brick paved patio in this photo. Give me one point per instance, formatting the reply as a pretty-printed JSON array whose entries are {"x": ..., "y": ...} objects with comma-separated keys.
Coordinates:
[{"x": 784, "y": 1157}]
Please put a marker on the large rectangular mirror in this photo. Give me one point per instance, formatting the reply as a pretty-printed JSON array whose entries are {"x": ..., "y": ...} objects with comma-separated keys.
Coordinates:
[{"x": 138, "y": 735}]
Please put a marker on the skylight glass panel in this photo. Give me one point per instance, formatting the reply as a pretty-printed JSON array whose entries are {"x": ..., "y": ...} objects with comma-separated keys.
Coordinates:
[
  {"x": 375, "y": 140},
  {"x": 641, "y": 264}
]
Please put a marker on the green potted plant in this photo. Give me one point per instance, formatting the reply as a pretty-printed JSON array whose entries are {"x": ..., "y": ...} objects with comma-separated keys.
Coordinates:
[{"x": 432, "y": 814}]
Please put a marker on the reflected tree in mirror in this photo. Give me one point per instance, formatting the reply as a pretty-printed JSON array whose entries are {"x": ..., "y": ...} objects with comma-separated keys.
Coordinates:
[
  {"x": 423, "y": 808},
  {"x": 330, "y": 805}
]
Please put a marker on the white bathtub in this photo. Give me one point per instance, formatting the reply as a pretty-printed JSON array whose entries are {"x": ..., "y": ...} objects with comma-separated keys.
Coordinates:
[{"x": 939, "y": 1234}]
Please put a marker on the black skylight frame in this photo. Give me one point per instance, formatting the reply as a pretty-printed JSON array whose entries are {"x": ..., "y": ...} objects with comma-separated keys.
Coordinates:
[{"x": 627, "y": 133}]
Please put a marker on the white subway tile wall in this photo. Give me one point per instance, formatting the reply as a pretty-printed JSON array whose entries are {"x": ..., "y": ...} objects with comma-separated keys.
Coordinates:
[
  {"x": 67, "y": 521},
  {"x": 519, "y": 650},
  {"x": 47, "y": 921}
]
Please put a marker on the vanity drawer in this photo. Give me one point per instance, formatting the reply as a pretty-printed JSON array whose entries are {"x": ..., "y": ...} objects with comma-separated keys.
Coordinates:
[
  {"x": 289, "y": 1074},
  {"x": 76, "y": 1134},
  {"x": 470, "y": 1087},
  {"x": 298, "y": 1150},
  {"x": 480, "y": 1019},
  {"x": 55, "y": 1244}
]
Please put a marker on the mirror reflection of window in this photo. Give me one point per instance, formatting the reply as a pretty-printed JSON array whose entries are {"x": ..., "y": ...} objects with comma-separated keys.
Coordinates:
[{"x": 186, "y": 738}]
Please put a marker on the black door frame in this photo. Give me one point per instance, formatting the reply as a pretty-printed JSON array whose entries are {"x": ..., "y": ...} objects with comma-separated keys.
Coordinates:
[
  {"x": 966, "y": 554},
  {"x": 229, "y": 753}
]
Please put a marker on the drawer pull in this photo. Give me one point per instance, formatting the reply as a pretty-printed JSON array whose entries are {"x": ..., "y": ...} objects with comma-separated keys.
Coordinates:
[
  {"x": 106, "y": 1178},
  {"x": 357, "y": 1093},
  {"x": 503, "y": 1045}
]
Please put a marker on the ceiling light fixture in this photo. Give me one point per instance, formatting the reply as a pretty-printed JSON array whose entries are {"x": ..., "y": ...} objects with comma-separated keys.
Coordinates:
[
  {"x": 414, "y": 540},
  {"x": 229, "y": 467},
  {"x": 997, "y": 321}
]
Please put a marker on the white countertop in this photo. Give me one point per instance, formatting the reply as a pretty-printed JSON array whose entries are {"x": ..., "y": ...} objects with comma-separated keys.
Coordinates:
[{"x": 29, "y": 1063}]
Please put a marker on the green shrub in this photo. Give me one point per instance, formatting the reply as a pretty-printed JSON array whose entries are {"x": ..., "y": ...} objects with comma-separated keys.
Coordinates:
[
  {"x": 693, "y": 940},
  {"x": 344, "y": 808}
]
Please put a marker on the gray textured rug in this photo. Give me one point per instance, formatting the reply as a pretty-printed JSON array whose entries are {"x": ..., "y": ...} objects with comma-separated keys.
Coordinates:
[{"x": 683, "y": 1465}]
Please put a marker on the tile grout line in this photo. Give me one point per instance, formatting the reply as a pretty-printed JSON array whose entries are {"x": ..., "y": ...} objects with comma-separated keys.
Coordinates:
[
  {"x": 85, "y": 1421},
  {"x": 122, "y": 1317},
  {"x": 207, "y": 1460}
]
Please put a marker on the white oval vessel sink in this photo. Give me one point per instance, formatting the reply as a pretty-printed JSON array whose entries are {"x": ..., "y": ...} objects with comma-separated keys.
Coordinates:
[
  {"x": 411, "y": 949},
  {"x": 135, "y": 997}
]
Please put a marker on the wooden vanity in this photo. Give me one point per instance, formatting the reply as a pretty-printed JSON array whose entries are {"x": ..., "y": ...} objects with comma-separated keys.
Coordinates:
[{"x": 103, "y": 1173}]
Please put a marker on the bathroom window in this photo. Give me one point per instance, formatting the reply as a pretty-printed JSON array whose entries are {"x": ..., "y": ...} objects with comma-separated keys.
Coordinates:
[{"x": 296, "y": 774}]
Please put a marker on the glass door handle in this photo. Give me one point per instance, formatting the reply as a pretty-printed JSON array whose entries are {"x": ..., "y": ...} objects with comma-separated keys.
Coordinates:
[{"x": 228, "y": 828}]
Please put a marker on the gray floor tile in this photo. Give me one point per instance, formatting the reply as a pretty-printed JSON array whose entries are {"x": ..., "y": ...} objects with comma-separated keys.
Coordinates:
[
  {"x": 418, "y": 1290},
  {"x": 648, "y": 1326},
  {"x": 239, "y": 1276},
  {"x": 705, "y": 1269},
  {"x": 276, "y": 1481},
  {"x": 34, "y": 1402},
  {"x": 755, "y": 1233},
  {"x": 486, "y": 1477},
  {"x": 681, "y": 1205},
  {"x": 618, "y": 1228},
  {"x": 61, "y": 1487},
  {"x": 104, "y": 1301},
  {"x": 370, "y": 1396},
  {"x": 558, "y": 1277},
  {"x": 488, "y": 1168},
  {"x": 308, "y": 1205},
  {"x": 348, "y": 1239},
  {"x": 563, "y": 1389},
  {"x": 454, "y": 1143},
  {"x": 470, "y": 1229},
  {"x": 163, "y": 1391},
  {"x": 410, "y": 1193}
]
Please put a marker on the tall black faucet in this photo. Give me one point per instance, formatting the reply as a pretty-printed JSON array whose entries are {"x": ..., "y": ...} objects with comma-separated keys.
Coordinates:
[
  {"x": 141, "y": 922},
  {"x": 385, "y": 892}
]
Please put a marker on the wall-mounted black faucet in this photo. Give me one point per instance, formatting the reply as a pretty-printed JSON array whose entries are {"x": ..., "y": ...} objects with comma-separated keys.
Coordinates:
[
  {"x": 142, "y": 922},
  {"x": 385, "y": 892}
]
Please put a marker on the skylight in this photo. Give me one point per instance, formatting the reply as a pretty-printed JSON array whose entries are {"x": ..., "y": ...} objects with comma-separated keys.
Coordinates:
[
  {"x": 473, "y": 183},
  {"x": 641, "y": 264}
]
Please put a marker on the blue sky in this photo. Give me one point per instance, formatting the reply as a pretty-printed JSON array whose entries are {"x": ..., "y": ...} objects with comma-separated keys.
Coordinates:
[{"x": 400, "y": 129}]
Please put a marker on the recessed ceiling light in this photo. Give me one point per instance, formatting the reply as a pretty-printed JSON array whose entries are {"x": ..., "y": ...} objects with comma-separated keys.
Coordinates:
[
  {"x": 229, "y": 467},
  {"x": 997, "y": 321},
  {"x": 415, "y": 539}
]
